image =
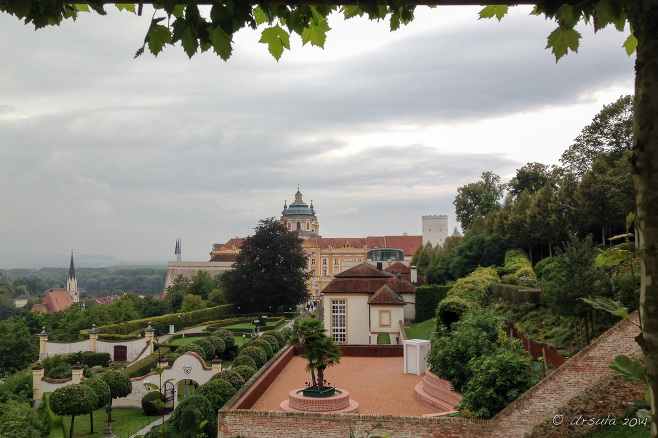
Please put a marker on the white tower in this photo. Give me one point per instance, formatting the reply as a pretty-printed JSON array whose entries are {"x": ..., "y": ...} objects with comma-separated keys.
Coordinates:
[
  {"x": 72, "y": 283},
  {"x": 435, "y": 229}
]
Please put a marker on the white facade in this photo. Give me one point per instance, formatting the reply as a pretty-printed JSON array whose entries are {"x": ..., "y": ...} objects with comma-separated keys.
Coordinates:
[
  {"x": 435, "y": 229},
  {"x": 386, "y": 318}
]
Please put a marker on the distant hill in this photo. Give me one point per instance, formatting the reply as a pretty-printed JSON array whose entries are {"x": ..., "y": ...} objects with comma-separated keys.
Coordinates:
[{"x": 14, "y": 261}]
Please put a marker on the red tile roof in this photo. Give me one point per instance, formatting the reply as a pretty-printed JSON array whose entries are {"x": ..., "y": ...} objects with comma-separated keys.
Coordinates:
[
  {"x": 224, "y": 257},
  {"x": 386, "y": 295},
  {"x": 56, "y": 300},
  {"x": 365, "y": 278}
]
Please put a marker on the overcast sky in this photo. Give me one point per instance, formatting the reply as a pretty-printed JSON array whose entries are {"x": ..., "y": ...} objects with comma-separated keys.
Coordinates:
[{"x": 101, "y": 153}]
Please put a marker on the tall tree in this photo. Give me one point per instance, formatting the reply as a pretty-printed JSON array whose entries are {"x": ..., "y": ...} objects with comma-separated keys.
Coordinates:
[
  {"x": 270, "y": 271},
  {"x": 73, "y": 400},
  {"x": 531, "y": 177},
  {"x": 478, "y": 199},
  {"x": 610, "y": 133}
]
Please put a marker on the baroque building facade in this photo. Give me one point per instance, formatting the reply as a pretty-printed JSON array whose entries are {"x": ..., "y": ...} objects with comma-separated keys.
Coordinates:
[{"x": 328, "y": 256}]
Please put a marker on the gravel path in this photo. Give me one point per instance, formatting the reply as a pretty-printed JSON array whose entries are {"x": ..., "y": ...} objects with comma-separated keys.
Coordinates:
[{"x": 378, "y": 384}]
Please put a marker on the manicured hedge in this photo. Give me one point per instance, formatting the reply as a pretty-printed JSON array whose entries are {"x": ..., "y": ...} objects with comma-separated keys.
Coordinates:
[
  {"x": 189, "y": 319},
  {"x": 467, "y": 293},
  {"x": 146, "y": 365},
  {"x": 427, "y": 299}
]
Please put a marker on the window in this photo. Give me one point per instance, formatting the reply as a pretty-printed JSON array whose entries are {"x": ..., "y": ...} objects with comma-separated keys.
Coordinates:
[
  {"x": 308, "y": 226},
  {"x": 313, "y": 262},
  {"x": 339, "y": 320},
  {"x": 336, "y": 262},
  {"x": 384, "y": 318},
  {"x": 324, "y": 262}
]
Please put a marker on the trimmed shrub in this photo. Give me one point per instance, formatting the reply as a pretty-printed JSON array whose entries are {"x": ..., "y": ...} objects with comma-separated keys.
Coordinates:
[
  {"x": 208, "y": 348},
  {"x": 194, "y": 347},
  {"x": 190, "y": 413},
  {"x": 273, "y": 340},
  {"x": 231, "y": 377},
  {"x": 171, "y": 357},
  {"x": 467, "y": 293},
  {"x": 217, "y": 391},
  {"x": 256, "y": 353},
  {"x": 226, "y": 336},
  {"x": 245, "y": 360},
  {"x": 245, "y": 371},
  {"x": 277, "y": 334},
  {"x": 91, "y": 359},
  {"x": 148, "y": 403},
  {"x": 286, "y": 333},
  {"x": 219, "y": 345},
  {"x": 266, "y": 346},
  {"x": 383, "y": 338}
]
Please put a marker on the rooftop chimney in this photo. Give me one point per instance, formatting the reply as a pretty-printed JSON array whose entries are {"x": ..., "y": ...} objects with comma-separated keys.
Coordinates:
[{"x": 414, "y": 275}]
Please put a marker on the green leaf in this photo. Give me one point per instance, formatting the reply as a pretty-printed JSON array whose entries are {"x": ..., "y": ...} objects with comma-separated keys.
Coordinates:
[
  {"x": 157, "y": 38},
  {"x": 630, "y": 44},
  {"x": 189, "y": 41},
  {"x": 81, "y": 7},
  {"x": 628, "y": 369},
  {"x": 316, "y": 32},
  {"x": 260, "y": 16},
  {"x": 351, "y": 12},
  {"x": 277, "y": 39},
  {"x": 221, "y": 42},
  {"x": 561, "y": 40},
  {"x": 498, "y": 11},
  {"x": 130, "y": 7},
  {"x": 606, "y": 304},
  {"x": 611, "y": 257}
]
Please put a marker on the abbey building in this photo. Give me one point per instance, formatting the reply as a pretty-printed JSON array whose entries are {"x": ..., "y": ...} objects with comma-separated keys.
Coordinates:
[{"x": 328, "y": 256}]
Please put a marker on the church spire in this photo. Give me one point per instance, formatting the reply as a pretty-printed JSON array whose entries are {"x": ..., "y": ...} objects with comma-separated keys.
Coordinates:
[
  {"x": 71, "y": 268},
  {"x": 72, "y": 283}
]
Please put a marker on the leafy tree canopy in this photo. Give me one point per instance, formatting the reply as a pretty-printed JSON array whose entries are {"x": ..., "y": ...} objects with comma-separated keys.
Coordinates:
[
  {"x": 212, "y": 29},
  {"x": 610, "y": 133},
  {"x": 270, "y": 271}
]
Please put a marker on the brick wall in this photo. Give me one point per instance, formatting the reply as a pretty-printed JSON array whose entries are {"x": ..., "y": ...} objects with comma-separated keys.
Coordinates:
[{"x": 576, "y": 388}]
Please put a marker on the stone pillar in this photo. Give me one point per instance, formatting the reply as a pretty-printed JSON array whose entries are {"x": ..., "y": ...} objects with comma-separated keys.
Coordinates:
[
  {"x": 149, "y": 336},
  {"x": 43, "y": 338},
  {"x": 93, "y": 337},
  {"x": 163, "y": 363},
  {"x": 37, "y": 375},
  {"x": 216, "y": 365},
  {"x": 76, "y": 374}
]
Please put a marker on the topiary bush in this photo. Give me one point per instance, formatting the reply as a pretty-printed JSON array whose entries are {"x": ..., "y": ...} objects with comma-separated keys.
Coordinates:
[
  {"x": 279, "y": 336},
  {"x": 196, "y": 348},
  {"x": 256, "y": 353},
  {"x": 273, "y": 340},
  {"x": 217, "y": 391},
  {"x": 245, "y": 371},
  {"x": 266, "y": 346},
  {"x": 231, "y": 377},
  {"x": 245, "y": 360},
  {"x": 148, "y": 403},
  {"x": 226, "y": 336},
  {"x": 219, "y": 345},
  {"x": 208, "y": 348},
  {"x": 190, "y": 413}
]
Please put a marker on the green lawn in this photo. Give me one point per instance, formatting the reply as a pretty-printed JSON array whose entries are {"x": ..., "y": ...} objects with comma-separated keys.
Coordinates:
[
  {"x": 125, "y": 422},
  {"x": 186, "y": 340},
  {"x": 247, "y": 325},
  {"x": 421, "y": 330}
]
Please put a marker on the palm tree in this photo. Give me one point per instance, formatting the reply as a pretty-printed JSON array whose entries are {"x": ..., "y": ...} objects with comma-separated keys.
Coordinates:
[
  {"x": 322, "y": 353},
  {"x": 321, "y": 350}
]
